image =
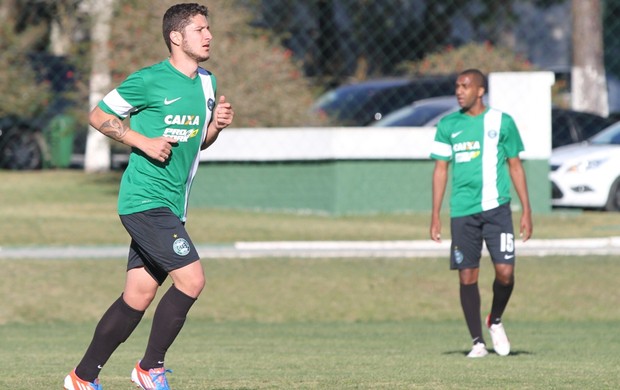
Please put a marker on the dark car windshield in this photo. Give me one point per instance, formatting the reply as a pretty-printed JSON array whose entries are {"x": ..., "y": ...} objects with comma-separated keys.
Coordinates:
[
  {"x": 610, "y": 135},
  {"x": 352, "y": 95},
  {"x": 414, "y": 115},
  {"x": 363, "y": 103}
]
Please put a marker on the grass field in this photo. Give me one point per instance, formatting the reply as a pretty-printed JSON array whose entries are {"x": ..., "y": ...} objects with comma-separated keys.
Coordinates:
[
  {"x": 324, "y": 324},
  {"x": 72, "y": 208},
  {"x": 301, "y": 323}
]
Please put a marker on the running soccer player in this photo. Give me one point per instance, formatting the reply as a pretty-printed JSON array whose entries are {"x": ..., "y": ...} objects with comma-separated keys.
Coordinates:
[
  {"x": 482, "y": 145},
  {"x": 173, "y": 115}
]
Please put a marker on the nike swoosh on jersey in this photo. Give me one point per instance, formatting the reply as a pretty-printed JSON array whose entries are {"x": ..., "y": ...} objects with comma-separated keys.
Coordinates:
[
  {"x": 166, "y": 101},
  {"x": 454, "y": 135}
]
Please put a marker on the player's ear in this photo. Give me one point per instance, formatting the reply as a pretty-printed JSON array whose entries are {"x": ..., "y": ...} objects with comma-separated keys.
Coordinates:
[{"x": 176, "y": 38}]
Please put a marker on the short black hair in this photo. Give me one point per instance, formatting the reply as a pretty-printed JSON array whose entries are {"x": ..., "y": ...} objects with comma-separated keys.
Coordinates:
[
  {"x": 478, "y": 77},
  {"x": 178, "y": 17}
]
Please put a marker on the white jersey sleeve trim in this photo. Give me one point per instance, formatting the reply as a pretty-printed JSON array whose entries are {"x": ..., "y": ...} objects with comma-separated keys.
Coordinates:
[
  {"x": 442, "y": 150},
  {"x": 117, "y": 104}
]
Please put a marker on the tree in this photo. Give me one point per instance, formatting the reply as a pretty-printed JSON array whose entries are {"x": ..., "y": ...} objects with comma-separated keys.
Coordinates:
[
  {"x": 23, "y": 94},
  {"x": 378, "y": 35},
  {"x": 97, "y": 156},
  {"x": 486, "y": 57},
  {"x": 589, "y": 86},
  {"x": 63, "y": 26},
  {"x": 260, "y": 77}
]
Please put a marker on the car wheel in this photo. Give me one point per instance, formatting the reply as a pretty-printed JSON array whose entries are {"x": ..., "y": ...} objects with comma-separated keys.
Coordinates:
[
  {"x": 613, "y": 201},
  {"x": 23, "y": 151}
]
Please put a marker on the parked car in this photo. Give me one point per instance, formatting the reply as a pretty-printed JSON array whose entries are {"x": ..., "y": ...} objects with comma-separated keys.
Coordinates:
[
  {"x": 587, "y": 175},
  {"x": 23, "y": 141},
  {"x": 362, "y": 103},
  {"x": 567, "y": 126},
  {"x": 424, "y": 112},
  {"x": 22, "y": 146}
]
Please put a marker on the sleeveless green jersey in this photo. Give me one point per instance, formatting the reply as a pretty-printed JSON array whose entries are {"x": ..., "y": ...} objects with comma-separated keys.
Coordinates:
[
  {"x": 161, "y": 101},
  {"x": 477, "y": 147}
]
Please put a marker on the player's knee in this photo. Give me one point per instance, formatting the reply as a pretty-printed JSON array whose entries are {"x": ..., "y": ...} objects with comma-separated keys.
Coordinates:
[
  {"x": 198, "y": 285},
  {"x": 191, "y": 286},
  {"x": 505, "y": 279},
  {"x": 139, "y": 300},
  {"x": 468, "y": 276}
]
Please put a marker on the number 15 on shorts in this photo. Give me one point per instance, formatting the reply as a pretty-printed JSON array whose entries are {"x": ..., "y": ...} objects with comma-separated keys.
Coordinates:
[{"x": 507, "y": 242}]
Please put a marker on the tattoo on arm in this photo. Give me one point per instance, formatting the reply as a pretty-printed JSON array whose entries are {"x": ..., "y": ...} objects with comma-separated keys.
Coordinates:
[{"x": 114, "y": 129}]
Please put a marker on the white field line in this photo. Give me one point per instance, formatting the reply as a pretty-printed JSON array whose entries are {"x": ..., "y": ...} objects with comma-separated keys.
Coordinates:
[{"x": 326, "y": 249}]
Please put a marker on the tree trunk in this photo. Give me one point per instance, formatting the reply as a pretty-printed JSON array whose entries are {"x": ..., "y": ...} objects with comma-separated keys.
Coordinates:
[
  {"x": 97, "y": 157},
  {"x": 589, "y": 85},
  {"x": 5, "y": 10},
  {"x": 62, "y": 26}
]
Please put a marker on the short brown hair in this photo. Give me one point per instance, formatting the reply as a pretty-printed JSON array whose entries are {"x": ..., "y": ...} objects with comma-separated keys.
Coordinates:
[{"x": 178, "y": 17}]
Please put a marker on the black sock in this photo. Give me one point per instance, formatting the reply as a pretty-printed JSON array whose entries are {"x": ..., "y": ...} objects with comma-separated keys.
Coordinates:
[
  {"x": 167, "y": 323},
  {"x": 114, "y": 327},
  {"x": 470, "y": 302},
  {"x": 501, "y": 295}
]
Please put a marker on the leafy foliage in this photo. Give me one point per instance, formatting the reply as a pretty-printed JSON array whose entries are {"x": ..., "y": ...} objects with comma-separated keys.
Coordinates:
[
  {"x": 342, "y": 40},
  {"x": 24, "y": 95},
  {"x": 485, "y": 57},
  {"x": 258, "y": 76}
]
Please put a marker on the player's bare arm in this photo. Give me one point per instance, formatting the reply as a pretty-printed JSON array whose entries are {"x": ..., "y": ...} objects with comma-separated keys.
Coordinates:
[
  {"x": 440, "y": 178},
  {"x": 222, "y": 118},
  {"x": 114, "y": 129},
  {"x": 517, "y": 174},
  {"x": 107, "y": 124},
  {"x": 159, "y": 148}
]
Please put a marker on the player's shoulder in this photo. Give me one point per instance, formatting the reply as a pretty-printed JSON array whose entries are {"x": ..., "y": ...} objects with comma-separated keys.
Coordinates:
[
  {"x": 154, "y": 68},
  {"x": 148, "y": 73},
  {"x": 450, "y": 119},
  {"x": 507, "y": 121},
  {"x": 503, "y": 114}
]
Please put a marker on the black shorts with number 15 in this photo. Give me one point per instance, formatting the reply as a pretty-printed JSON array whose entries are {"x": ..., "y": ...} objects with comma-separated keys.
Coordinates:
[{"x": 494, "y": 227}]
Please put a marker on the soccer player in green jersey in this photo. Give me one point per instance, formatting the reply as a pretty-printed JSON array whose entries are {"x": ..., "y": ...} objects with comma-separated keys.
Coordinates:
[
  {"x": 174, "y": 116},
  {"x": 482, "y": 145}
]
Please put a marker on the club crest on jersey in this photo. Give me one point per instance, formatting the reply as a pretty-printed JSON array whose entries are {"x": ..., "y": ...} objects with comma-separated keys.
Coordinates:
[
  {"x": 211, "y": 104},
  {"x": 181, "y": 247}
]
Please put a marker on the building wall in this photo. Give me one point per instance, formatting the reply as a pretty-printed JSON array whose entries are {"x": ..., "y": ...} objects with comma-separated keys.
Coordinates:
[
  {"x": 361, "y": 170},
  {"x": 336, "y": 187}
]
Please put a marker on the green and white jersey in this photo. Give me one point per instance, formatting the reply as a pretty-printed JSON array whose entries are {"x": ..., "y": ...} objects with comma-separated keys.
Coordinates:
[
  {"x": 477, "y": 147},
  {"x": 161, "y": 101}
]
